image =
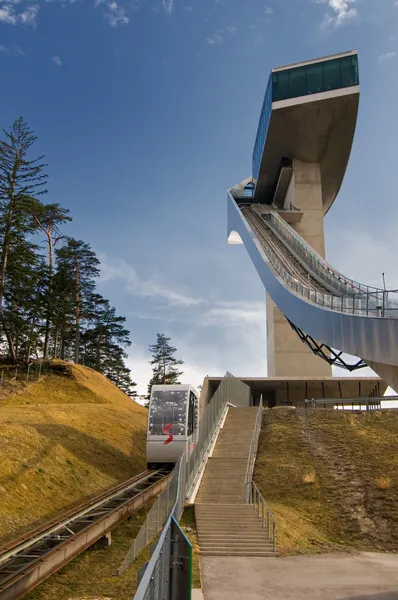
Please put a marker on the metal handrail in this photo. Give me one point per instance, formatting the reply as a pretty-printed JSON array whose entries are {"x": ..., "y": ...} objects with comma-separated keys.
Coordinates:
[
  {"x": 183, "y": 476},
  {"x": 371, "y": 304},
  {"x": 309, "y": 253},
  {"x": 264, "y": 513},
  {"x": 253, "y": 448}
]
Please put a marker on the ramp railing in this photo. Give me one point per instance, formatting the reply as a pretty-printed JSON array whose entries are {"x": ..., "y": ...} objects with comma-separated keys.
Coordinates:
[{"x": 368, "y": 301}]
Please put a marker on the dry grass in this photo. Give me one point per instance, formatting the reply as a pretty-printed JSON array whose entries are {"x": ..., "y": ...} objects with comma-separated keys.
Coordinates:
[
  {"x": 324, "y": 476},
  {"x": 309, "y": 477},
  {"x": 62, "y": 440},
  {"x": 383, "y": 483},
  {"x": 91, "y": 574}
]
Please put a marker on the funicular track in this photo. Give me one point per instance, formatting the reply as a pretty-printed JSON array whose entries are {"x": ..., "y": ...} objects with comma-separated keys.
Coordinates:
[
  {"x": 325, "y": 308},
  {"x": 28, "y": 560}
]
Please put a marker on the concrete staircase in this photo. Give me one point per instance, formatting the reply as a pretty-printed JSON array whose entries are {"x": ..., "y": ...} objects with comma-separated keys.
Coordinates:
[{"x": 227, "y": 526}]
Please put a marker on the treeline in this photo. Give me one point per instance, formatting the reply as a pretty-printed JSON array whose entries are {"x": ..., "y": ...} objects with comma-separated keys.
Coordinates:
[{"x": 49, "y": 306}]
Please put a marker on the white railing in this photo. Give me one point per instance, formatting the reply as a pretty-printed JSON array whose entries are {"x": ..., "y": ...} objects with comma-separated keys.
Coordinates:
[{"x": 373, "y": 303}]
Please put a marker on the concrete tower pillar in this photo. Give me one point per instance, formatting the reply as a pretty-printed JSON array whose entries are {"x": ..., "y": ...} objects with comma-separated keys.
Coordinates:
[{"x": 287, "y": 356}]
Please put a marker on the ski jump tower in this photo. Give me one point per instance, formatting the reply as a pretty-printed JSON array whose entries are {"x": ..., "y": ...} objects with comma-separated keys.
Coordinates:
[{"x": 301, "y": 152}]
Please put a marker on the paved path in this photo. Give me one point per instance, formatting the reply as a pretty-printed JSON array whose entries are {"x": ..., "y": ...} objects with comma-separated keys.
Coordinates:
[{"x": 366, "y": 576}]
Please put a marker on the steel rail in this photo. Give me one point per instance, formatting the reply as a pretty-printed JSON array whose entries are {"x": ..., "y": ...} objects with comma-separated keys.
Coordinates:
[
  {"x": 48, "y": 524},
  {"x": 30, "y": 559}
]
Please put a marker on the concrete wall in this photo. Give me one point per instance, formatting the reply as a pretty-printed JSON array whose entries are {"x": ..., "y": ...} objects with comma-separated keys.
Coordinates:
[
  {"x": 287, "y": 356},
  {"x": 308, "y": 197}
]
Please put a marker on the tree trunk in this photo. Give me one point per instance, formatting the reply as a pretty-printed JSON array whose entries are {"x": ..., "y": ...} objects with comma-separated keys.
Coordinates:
[
  {"x": 3, "y": 271},
  {"x": 98, "y": 354},
  {"x": 55, "y": 343},
  {"x": 77, "y": 312},
  {"x": 62, "y": 352},
  {"x": 49, "y": 294}
]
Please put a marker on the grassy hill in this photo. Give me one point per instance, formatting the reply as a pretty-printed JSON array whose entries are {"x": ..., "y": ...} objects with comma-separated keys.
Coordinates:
[
  {"x": 62, "y": 439},
  {"x": 331, "y": 479}
]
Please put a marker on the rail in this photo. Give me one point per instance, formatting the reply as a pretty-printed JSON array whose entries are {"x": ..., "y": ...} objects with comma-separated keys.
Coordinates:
[
  {"x": 360, "y": 403},
  {"x": 27, "y": 561},
  {"x": 264, "y": 513},
  {"x": 253, "y": 450},
  {"x": 372, "y": 303}
]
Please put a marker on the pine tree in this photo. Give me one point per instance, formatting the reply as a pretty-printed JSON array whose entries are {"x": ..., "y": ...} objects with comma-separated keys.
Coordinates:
[
  {"x": 23, "y": 304},
  {"x": 22, "y": 180},
  {"x": 78, "y": 264},
  {"x": 48, "y": 218},
  {"x": 164, "y": 364},
  {"x": 107, "y": 331}
]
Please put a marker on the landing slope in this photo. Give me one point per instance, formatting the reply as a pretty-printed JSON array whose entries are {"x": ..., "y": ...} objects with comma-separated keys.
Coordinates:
[
  {"x": 62, "y": 440},
  {"x": 331, "y": 479}
]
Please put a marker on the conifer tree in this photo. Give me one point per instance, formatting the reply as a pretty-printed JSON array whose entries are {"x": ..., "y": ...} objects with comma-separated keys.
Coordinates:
[
  {"x": 79, "y": 265},
  {"x": 48, "y": 218},
  {"x": 164, "y": 363},
  {"x": 22, "y": 181}
]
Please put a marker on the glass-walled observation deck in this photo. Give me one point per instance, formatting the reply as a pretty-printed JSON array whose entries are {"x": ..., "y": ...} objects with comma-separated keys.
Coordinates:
[{"x": 303, "y": 80}]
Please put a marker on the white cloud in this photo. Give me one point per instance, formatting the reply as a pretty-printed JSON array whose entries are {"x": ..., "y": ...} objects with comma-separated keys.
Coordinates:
[
  {"x": 235, "y": 314},
  {"x": 12, "y": 50},
  {"x": 9, "y": 15},
  {"x": 149, "y": 288},
  {"x": 215, "y": 39},
  {"x": 268, "y": 11},
  {"x": 57, "y": 61},
  {"x": 168, "y": 6},
  {"x": 219, "y": 36},
  {"x": 232, "y": 29},
  {"x": 113, "y": 12},
  {"x": 28, "y": 16},
  {"x": 219, "y": 334},
  {"x": 194, "y": 371},
  {"x": 385, "y": 57},
  {"x": 116, "y": 15},
  {"x": 342, "y": 12}
]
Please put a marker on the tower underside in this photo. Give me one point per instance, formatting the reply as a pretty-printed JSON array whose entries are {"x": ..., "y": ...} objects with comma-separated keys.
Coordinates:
[{"x": 286, "y": 354}]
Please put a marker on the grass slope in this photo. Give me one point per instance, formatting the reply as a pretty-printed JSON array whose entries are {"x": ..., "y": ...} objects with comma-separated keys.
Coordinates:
[
  {"x": 331, "y": 479},
  {"x": 62, "y": 440}
]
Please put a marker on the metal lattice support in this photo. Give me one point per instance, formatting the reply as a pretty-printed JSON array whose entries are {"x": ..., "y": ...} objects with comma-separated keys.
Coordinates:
[{"x": 326, "y": 352}]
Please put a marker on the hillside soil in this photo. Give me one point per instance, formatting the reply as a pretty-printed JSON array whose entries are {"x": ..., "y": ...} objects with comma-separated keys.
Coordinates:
[
  {"x": 63, "y": 439},
  {"x": 331, "y": 479}
]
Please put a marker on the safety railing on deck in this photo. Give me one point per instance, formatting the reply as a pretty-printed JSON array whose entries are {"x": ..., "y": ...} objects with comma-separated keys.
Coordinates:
[
  {"x": 374, "y": 303},
  {"x": 264, "y": 513}
]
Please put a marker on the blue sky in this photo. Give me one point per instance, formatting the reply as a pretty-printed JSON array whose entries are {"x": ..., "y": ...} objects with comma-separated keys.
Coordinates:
[{"x": 147, "y": 112}]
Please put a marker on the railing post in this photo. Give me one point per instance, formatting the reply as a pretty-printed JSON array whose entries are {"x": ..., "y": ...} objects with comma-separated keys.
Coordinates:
[
  {"x": 157, "y": 515},
  {"x": 268, "y": 525},
  {"x": 146, "y": 531},
  {"x": 134, "y": 544}
]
